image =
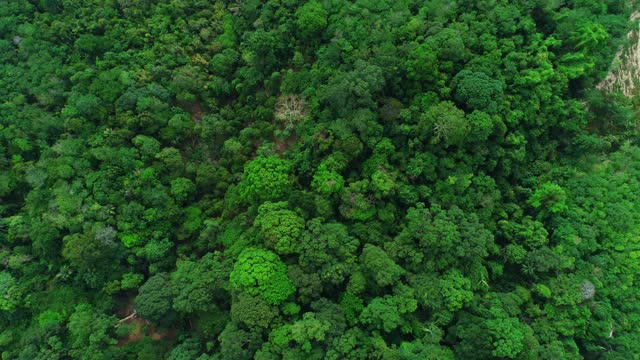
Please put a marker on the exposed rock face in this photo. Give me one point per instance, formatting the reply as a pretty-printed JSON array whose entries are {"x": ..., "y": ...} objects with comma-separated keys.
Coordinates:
[{"x": 625, "y": 75}]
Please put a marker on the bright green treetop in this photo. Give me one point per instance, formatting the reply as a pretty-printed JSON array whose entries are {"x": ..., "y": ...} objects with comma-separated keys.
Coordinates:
[
  {"x": 262, "y": 273},
  {"x": 265, "y": 178}
]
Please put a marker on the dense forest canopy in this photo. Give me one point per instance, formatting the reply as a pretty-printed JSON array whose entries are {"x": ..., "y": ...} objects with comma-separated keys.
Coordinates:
[{"x": 325, "y": 179}]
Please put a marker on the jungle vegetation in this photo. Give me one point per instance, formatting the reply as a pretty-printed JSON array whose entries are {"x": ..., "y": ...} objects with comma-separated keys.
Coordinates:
[{"x": 324, "y": 179}]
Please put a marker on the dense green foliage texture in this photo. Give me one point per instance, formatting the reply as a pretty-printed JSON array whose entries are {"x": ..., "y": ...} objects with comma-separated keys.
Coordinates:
[{"x": 325, "y": 179}]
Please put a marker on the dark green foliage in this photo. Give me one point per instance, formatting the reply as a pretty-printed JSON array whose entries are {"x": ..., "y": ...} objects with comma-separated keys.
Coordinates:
[
  {"x": 154, "y": 298},
  {"x": 198, "y": 284},
  {"x": 253, "y": 311},
  {"x": 476, "y": 91},
  {"x": 380, "y": 266},
  {"x": 317, "y": 180}
]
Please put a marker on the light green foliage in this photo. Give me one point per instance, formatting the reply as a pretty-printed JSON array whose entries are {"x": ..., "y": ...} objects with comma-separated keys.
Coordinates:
[
  {"x": 353, "y": 344},
  {"x": 10, "y": 294},
  {"x": 367, "y": 179},
  {"x": 351, "y": 305},
  {"x": 265, "y": 178},
  {"x": 182, "y": 188},
  {"x": 422, "y": 63},
  {"x": 156, "y": 250},
  {"x": 542, "y": 290},
  {"x": 131, "y": 281},
  {"x": 449, "y": 44},
  {"x": 455, "y": 289},
  {"x": 327, "y": 181},
  {"x": 550, "y": 197},
  {"x": 508, "y": 337},
  {"x": 575, "y": 65},
  {"x": 565, "y": 290},
  {"x": 386, "y": 313},
  {"x": 383, "y": 182},
  {"x": 482, "y": 125},
  {"x": 303, "y": 332},
  {"x": 311, "y": 19},
  {"x": 588, "y": 35},
  {"x": 280, "y": 227},
  {"x": 382, "y": 313},
  {"x": 192, "y": 221},
  {"x": 515, "y": 253},
  {"x": 89, "y": 333},
  {"x": 447, "y": 124},
  {"x": 130, "y": 240},
  {"x": 261, "y": 273},
  {"x": 418, "y": 350},
  {"x": 50, "y": 318},
  {"x": 530, "y": 232}
]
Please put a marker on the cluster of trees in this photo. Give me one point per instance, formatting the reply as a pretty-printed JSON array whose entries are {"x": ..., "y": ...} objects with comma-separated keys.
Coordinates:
[{"x": 316, "y": 180}]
